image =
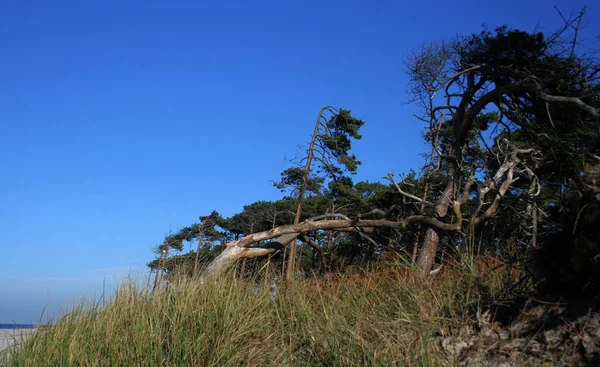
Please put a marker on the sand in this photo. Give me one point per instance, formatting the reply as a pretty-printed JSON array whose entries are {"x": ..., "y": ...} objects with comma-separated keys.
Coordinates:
[{"x": 9, "y": 336}]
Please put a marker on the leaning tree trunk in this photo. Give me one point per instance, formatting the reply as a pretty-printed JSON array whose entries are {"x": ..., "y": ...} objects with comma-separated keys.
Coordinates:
[
  {"x": 233, "y": 253},
  {"x": 163, "y": 261},
  {"x": 198, "y": 253},
  {"x": 431, "y": 240},
  {"x": 301, "y": 191},
  {"x": 462, "y": 121}
]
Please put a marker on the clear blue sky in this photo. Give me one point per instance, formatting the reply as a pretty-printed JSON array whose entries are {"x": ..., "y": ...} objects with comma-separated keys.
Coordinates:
[{"x": 121, "y": 120}]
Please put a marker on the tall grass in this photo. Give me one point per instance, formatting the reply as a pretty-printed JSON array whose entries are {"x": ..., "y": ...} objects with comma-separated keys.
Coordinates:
[{"x": 382, "y": 317}]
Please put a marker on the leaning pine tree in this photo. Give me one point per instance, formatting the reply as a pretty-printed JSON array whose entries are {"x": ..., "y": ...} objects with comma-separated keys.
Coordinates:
[{"x": 328, "y": 152}]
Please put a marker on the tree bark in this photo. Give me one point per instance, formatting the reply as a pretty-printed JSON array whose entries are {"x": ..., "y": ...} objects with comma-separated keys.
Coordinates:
[
  {"x": 234, "y": 252},
  {"x": 431, "y": 240}
]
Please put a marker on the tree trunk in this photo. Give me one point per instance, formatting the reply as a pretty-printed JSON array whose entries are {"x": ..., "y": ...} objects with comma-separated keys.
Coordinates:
[
  {"x": 462, "y": 121},
  {"x": 197, "y": 254},
  {"x": 229, "y": 257},
  {"x": 301, "y": 191},
  {"x": 428, "y": 251},
  {"x": 155, "y": 280},
  {"x": 163, "y": 257},
  {"x": 415, "y": 251},
  {"x": 428, "y": 171},
  {"x": 431, "y": 240}
]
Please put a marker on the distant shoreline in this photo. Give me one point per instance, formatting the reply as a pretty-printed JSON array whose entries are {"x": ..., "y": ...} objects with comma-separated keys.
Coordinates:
[{"x": 17, "y": 326}]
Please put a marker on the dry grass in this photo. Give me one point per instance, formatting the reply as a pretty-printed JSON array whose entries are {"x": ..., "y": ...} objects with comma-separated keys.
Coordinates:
[{"x": 383, "y": 317}]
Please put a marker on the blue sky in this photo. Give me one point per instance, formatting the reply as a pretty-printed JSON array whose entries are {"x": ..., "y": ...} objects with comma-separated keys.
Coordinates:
[{"x": 123, "y": 120}]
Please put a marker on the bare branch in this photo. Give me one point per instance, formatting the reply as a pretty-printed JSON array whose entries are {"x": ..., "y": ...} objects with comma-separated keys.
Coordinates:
[
  {"x": 448, "y": 82},
  {"x": 378, "y": 212},
  {"x": 287, "y": 234},
  {"x": 390, "y": 177},
  {"x": 329, "y": 215},
  {"x": 507, "y": 168},
  {"x": 493, "y": 209},
  {"x": 594, "y": 112}
]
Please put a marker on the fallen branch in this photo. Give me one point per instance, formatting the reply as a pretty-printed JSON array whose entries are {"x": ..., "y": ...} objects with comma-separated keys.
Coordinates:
[{"x": 241, "y": 248}]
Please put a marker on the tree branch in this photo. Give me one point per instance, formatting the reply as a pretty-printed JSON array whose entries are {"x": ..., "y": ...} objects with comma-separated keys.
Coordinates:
[
  {"x": 240, "y": 249},
  {"x": 594, "y": 112},
  {"x": 416, "y": 198},
  {"x": 315, "y": 246}
]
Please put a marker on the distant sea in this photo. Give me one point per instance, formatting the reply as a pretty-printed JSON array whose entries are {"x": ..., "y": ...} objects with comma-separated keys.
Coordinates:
[{"x": 17, "y": 326}]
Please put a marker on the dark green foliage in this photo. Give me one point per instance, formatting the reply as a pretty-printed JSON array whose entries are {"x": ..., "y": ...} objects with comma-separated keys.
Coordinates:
[
  {"x": 331, "y": 152},
  {"x": 503, "y": 48},
  {"x": 184, "y": 264},
  {"x": 206, "y": 231},
  {"x": 292, "y": 178},
  {"x": 340, "y": 128}
]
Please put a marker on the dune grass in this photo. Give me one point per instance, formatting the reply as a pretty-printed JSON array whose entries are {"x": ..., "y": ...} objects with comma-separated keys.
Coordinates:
[{"x": 382, "y": 317}]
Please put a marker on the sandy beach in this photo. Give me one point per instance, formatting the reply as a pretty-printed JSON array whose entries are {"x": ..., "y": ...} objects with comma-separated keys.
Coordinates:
[{"x": 9, "y": 336}]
